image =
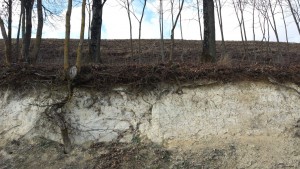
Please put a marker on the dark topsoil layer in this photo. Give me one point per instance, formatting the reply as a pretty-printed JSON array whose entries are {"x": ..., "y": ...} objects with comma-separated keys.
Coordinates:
[{"x": 121, "y": 68}]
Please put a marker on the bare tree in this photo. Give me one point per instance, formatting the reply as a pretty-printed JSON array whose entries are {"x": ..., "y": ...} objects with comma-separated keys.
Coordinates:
[
  {"x": 127, "y": 7},
  {"x": 67, "y": 37},
  {"x": 28, "y": 5},
  {"x": 94, "y": 47},
  {"x": 173, "y": 28},
  {"x": 272, "y": 7},
  {"x": 140, "y": 19},
  {"x": 180, "y": 23},
  {"x": 39, "y": 31},
  {"x": 18, "y": 37},
  {"x": 294, "y": 14},
  {"x": 284, "y": 22},
  {"x": 4, "y": 35},
  {"x": 238, "y": 8},
  {"x": 79, "y": 49},
  {"x": 161, "y": 29},
  {"x": 89, "y": 11},
  {"x": 7, "y": 11},
  {"x": 199, "y": 19},
  {"x": 209, "y": 43},
  {"x": 219, "y": 6},
  {"x": 22, "y": 59}
]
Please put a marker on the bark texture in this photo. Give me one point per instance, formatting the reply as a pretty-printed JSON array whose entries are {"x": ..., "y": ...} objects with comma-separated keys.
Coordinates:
[
  {"x": 94, "y": 48},
  {"x": 28, "y": 4},
  {"x": 209, "y": 43}
]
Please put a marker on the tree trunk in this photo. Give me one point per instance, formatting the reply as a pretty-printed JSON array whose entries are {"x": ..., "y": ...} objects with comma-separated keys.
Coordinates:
[
  {"x": 199, "y": 21},
  {"x": 294, "y": 16},
  {"x": 219, "y": 13},
  {"x": 67, "y": 37},
  {"x": 172, "y": 31},
  {"x": 79, "y": 49},
  {"x": 209, "y": 43},
  {"x": 240, "y": 25},
  {"x": 39, "y": 31},
  {"x": 161, "y": 28},
  {"x": 94, "y": 31},
  {"x": 274, "y": 27},
  {"x": 22, "y": 59},
  {"x": 285, "y": 25},
  {"x": 94, "y": 48},
  {"x": 140, "y": 31},
  {"x": 18, "y": 37},
  {"x": 9, "y": 23},
  {"x": 4, "y": 35},
  {"x": 28, "y": 12},
  {"x": 180, "y": 23},
  {"x": 130, "y": 26}
]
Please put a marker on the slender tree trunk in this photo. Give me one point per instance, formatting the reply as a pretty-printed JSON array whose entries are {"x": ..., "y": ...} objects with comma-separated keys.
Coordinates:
[
  {"x": 180, "y": 24},
  {"x": 284, "y": 22},
  {"x": 18, "y": 37},
  {"x": 199, "y": 19},
  {"x": 241, "y": 27},
  {"x": 67, "y": 37},
  {"x": 22, "y": 59},
  {"x": 39, "y": 32},
  {"x": 79, "y": 49},
  {"x": 130, "y": 26},
  {"x": 253, "y": 30},
  {"x": 4, "y": 35},
  {"x": 294, "y": 15},
  {"x": 172, "y": 31},
  {"x": 99, "y": 60},
  {"x": 140, "y": 31},
  {"x": 9, "y": 30},
  {"x": 161, "y": 24},
  {"x": 243, "y": 24},
  {"x": 274, "y": 27},
  {"x": 219, "y": 13},
  {"x": 89, "y": 10},
  {"x": 209, "y": 43}
]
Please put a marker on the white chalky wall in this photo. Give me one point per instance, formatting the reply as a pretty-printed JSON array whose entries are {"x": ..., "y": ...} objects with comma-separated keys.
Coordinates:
[{"x": 248, "y": 114}]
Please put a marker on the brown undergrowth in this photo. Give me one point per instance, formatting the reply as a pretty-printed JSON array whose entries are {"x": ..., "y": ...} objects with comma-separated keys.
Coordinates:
[{"x": 144, "y": 76}]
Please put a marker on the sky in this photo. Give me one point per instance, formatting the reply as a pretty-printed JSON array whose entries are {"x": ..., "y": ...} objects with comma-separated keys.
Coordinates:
[{"x": 116, "y": 24}]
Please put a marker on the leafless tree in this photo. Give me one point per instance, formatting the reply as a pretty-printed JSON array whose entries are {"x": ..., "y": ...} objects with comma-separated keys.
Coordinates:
[
  {"x": 94, "y": 47},
  {"x": 174, "y": 23},
  {"x": 28, "y": 5},
  {"x": 239, "y": 7},
  {"x": 126, "y": 5},
  {"x": 161, "y": 29},
  {"x": 79, "y": 49},
  {"x": 219, "y": 6},
  {"x": 140, "y": 20},
  {"x": 67, "y": 37},
  {"x": 209, "y": 43},
  {"x": 7, "y": 35},
  {"x": 199, "y": 18},
  {"x": 272, "y": 8},
  {"x": 284, "y": 22},
  {"x": 294, "y": 10},
  {"x": 39, "y": 31}
]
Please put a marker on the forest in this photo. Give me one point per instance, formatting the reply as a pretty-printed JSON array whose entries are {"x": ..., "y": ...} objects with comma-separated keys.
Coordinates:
[{"x": 266, "y": 16}]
